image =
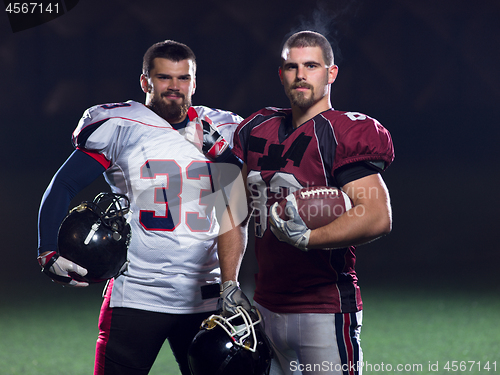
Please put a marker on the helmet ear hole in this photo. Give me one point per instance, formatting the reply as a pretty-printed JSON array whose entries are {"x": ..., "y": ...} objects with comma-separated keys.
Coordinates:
[
  {"x": 96, "y": 236},
  {"x": 231, "y": 345}
]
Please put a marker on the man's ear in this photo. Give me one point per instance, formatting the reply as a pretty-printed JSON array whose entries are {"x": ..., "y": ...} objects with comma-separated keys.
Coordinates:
[
  {"x": 145, "y": 86},
  {"x": 332, "y": 73},
  {"x": 280, "y": 72}
]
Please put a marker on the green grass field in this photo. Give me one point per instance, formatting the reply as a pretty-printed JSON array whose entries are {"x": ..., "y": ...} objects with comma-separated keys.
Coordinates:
[
  {"x": 423, "y": 331},
  {"x": 414, "y": 329}
]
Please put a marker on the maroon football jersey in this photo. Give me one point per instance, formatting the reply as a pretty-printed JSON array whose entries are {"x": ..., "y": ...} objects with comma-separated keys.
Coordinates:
[{"x": 280, "y": 160}]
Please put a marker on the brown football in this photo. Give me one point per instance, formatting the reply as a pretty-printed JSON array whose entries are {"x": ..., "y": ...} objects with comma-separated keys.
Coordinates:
[{"x": 317, "y": 205}]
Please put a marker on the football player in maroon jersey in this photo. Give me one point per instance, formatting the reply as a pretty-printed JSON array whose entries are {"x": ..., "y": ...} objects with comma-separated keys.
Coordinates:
[{"x": 306, "y": 287}]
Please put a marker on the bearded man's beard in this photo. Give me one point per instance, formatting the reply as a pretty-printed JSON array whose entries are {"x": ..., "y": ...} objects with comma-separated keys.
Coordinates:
[
  {"x": 299, "y": 98},
  {"x": 172, "y": 112}
]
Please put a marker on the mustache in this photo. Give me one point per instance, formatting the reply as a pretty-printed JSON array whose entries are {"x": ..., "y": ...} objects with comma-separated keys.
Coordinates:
[
  {"x": 172, "y": 92},
  {"x": 301, "y": 84}
]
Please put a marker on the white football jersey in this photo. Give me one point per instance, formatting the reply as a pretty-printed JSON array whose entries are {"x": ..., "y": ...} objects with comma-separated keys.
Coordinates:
[{"x": 173, "y": 249}]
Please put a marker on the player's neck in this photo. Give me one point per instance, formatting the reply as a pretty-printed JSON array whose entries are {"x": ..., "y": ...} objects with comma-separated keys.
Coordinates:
[
  {"x": 301, "y": 115},
  {"x": 176, "y": 120}
]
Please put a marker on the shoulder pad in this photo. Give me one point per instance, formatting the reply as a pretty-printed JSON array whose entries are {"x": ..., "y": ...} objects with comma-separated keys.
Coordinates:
[
  {"x": 218, "y": 116},
  {"x": 105, "y": 111},
  {"x": 128, "y": 112},
  {"x": 362, "y": 138}
]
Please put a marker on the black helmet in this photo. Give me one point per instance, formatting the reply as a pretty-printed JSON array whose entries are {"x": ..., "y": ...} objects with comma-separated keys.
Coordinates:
[
  {"x": 96, "y": 235},
  {"x": 229, "y": 346}
]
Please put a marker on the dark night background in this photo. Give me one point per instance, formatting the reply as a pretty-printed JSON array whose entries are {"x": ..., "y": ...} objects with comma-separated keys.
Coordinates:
[{"x": 427, "y": 70}]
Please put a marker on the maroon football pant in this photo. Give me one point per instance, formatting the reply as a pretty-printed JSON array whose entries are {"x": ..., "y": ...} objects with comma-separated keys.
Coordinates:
[{"x": 130, "y": 339}]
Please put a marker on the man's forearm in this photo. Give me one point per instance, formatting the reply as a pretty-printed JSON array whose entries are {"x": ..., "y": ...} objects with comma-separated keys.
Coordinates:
[{"x": 231, "y": 248}]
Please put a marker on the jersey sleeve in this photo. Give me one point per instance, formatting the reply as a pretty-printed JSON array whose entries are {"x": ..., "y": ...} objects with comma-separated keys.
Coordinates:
[
  {"x": 363, "y": 139},
  {"x": 75, "y": 174},
  {"x": 239, "y": 142},
  {"x": 99, "y": 131}
]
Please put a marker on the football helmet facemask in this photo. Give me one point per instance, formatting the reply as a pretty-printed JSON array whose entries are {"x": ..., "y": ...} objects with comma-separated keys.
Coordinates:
[
  {"x": 96, "y": 235},
  {"x": 234, "y": 345}
]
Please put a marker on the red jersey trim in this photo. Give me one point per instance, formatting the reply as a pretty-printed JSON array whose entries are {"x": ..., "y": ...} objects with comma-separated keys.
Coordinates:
[
  {"x": 100, "y": 158},
  {"x": 191, "y": 113}
]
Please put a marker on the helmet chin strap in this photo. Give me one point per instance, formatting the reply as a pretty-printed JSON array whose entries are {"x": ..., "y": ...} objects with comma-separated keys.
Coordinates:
[{"x": 95, "y": 228}]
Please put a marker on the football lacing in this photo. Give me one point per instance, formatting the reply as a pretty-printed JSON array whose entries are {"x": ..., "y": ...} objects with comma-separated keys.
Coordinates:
[{"x": 319, "y": 191}]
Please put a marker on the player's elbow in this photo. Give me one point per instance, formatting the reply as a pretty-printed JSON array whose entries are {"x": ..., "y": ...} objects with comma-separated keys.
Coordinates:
[
  {"x": 377, "y": 230},
  {"x": 383, "y": 224},
  {"x": 386, "y": 227}
]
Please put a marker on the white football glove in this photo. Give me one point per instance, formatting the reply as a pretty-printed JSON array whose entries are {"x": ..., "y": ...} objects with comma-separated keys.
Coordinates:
[
  {"x": 59, "y": 269},
  {"x": 194, "y": 133},
  {"x": 231, "y": 296},
  {"x": 293, "y": 231},
  {"x": 203, "y": 134}
]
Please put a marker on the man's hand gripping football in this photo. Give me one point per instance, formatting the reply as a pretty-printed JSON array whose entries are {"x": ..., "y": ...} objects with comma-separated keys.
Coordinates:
[{"x": 293, "y": 231}]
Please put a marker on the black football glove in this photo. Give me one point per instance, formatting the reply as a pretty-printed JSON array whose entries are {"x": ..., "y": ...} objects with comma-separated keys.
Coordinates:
[
  {"x": 60, "y": 269},
  {"x": 231, "y": 296},
  {"x": 215, "y": 147}
]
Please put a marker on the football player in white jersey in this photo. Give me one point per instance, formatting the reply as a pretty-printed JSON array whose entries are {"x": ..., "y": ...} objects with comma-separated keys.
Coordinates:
[{"x": 161, "y": 156}]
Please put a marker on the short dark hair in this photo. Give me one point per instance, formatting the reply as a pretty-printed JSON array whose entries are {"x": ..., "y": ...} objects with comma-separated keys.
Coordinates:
[
  {"x": 167, "y": 49},
  {"x": 309, "y": 38}
]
